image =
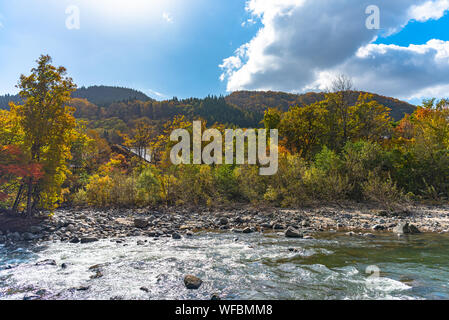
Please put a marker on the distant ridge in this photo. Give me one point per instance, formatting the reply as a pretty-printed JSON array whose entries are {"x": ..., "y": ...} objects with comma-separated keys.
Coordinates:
[
  {"x": 258, "y": 101},
  {"x": 105, "y": 95},
  {"x": 240, "y": 107},
  {"x": 99, "y": 95}
]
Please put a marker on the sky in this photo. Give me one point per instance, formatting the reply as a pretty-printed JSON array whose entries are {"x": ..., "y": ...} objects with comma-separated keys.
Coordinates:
[{"x": 192, "y": 48}]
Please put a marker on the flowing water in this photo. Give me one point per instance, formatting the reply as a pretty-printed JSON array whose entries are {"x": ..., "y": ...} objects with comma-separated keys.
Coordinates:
[{"x": 254, "y": 266}]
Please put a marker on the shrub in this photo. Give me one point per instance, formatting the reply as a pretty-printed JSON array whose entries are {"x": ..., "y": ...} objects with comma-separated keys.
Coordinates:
[
  {"x": 226, "y": 182},
  {"x": 195, "y": 184},
  {"x": 252, "y": 186},
  {"x": 287, "y": 187},
  {"x": 383, "y": 191},
  {"x": 148, "y": 187}
]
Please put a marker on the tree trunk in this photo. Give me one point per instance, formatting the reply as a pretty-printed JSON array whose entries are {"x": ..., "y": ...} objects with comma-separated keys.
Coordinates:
[
  {"x": 29, "y": 195},
  {"x": 18, "y": 197}
]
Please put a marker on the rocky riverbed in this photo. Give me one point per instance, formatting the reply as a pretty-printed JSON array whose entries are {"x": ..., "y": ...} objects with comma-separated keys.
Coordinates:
[{"x": 89, "y": 225}]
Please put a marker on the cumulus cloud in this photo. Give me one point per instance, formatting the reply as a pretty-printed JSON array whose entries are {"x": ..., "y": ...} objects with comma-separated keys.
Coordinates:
[
  {"x": 303, "y": 43},
  {"x": 429, "y": 10}
]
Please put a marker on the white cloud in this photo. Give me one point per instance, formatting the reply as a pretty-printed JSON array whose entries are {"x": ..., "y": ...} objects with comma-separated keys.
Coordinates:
[
  {"x": 304, "y": 42},
  {"x": 167, "y": 17},
  {"x": 429, "y": 10}
]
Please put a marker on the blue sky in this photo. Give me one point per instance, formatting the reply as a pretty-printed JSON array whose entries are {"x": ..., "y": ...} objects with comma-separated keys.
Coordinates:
[{"x": 182, "y": 48}]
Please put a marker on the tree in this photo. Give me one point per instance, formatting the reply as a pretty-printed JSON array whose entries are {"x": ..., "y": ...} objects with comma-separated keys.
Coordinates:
[
  {"x": 141, "y": 137},
  {"x": 303, "y": 128},
  {"x": 339, "y": 114},
  {"x": 369, "y": 120},
  {"x": 14, "y": 168},
  {"x": 48, "y": 126}
]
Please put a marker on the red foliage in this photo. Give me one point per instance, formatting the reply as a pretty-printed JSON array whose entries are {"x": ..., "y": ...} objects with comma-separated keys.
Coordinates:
[{"x": 14, "y": 165}]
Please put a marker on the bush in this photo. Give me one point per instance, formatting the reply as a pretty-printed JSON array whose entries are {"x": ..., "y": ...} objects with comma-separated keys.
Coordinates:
[
  {"x": 226, "y": 182},
  {"x": 287, "y": 187},
  {"x": 252, "y": 186},
  {"x": 358, "y": 160},
  {"x": 383, "y": 191},
  {"x": 195, "y": 185},
  {"x": 148, "y": 187}
]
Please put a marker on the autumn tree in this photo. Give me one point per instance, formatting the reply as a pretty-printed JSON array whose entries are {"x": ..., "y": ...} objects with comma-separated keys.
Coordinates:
[
  {"x": 369, "y": 120},
  {"x": 339, "y": 114},
  {"x": 303, "y": 128},
  {"x": 15, "y": 168},
  {"x": 48, "y": 126},
  {"x": 142, "y": 135}
]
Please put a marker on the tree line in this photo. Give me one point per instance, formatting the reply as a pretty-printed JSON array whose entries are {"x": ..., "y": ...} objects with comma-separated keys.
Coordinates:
[{"x": 332, "y": 150}]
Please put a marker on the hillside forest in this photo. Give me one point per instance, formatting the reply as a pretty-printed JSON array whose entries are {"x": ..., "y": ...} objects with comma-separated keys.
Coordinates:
[{"x": 65, "y": 146}]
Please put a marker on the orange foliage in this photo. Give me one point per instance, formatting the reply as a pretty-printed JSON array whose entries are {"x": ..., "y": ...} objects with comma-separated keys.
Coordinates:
[{"x": 13, "y": 166}]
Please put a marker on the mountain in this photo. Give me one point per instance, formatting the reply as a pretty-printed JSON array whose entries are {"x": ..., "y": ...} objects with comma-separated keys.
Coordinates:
[
  {"x": 99, "y": 95},
  {"x": 258, "y": 101},
  {"x": 105, "y": 95},
  {"x": 4, "y": 100},
  {"x": 241, "y": 108}
]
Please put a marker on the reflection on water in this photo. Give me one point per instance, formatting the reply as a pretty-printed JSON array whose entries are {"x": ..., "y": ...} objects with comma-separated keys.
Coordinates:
[{"x": 251, "y": 266}]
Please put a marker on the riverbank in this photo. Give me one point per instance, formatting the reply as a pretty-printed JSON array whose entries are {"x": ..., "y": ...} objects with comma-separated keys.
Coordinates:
[{"x": 90, "y": 225}]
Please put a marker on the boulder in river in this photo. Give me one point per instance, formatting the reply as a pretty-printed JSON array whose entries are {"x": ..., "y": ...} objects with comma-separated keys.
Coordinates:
[
  {"x": 215, "y": 297},
  {"x": 192, "y": 282},
  {"x": 88, "y": 240},
  {"x": 176, "y": 236},
  {"x": 48, "y": 262},
  {"x": 74, "y": 240},
  {"x": 98, "y": 274},
  {"x": 293, "y": 233},
  {"x": 406, "y": 228}
]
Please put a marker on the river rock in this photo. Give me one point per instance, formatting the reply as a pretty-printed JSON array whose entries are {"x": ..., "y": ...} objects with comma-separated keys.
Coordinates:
[
  {"x": 82, "y": 288},
  {"x": 215, "y": 297},
  {"x": 293, "y": 233},
  {"x": 192, "y": 282},
  {"x": 247, "y": 230},
  {"x": 98, "y": 274},
  {"x": 27, "y": 236},
  {"x": 74, "y": 240},
  {"x": 406, "y": 228},
  {"x": 35, "y": 229},
  {"x": 140, "y": 223},
  {"x": 48, "y": 262},
  {"x": 176, "y": 236},
  {"x": 89, "y": 240},
  {"x": 223, "y": 221}
]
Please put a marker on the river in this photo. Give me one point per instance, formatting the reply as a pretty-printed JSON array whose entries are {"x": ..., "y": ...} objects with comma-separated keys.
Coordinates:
[{"x": 254, "y": 266}]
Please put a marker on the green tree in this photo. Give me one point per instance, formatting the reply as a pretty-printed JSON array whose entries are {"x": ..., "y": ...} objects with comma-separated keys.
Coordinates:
[{"x": 303, "y": 128}]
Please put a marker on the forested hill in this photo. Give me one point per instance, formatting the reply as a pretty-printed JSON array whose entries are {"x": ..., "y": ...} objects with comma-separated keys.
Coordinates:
[
  {"x": 105, "y": 95},
  {"x": 257, "y": 101},
  {"x": 99, "y": 95},
  {"x": 242, "y": 108},
  {"x": 4, "y": 100}
]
